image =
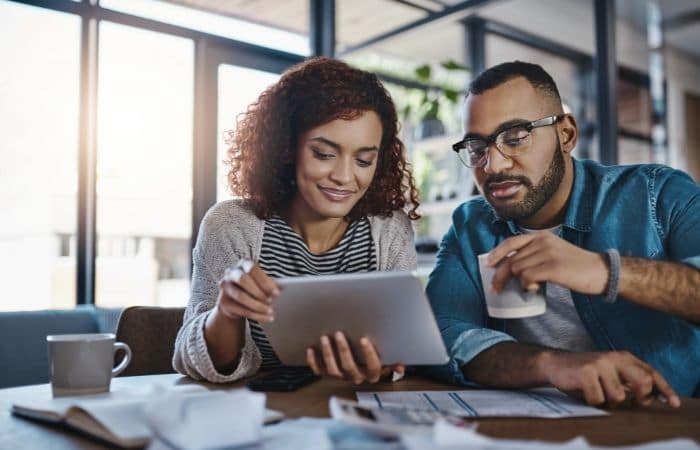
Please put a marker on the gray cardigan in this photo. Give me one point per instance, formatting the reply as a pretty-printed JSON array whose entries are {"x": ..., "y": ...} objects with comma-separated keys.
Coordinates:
[{"x": 229, "y": 232}]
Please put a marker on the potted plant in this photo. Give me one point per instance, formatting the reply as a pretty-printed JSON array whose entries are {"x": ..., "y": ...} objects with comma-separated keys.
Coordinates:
[{"x": 429, "y": 108}]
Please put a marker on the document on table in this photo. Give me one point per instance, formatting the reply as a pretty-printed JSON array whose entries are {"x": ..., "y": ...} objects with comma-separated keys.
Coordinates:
[{"x": 540, "y": 402}]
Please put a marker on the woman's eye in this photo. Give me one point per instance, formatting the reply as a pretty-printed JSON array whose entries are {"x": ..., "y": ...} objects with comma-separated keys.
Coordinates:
[
  {"x": 318, "y": 154},
  {"x": 364, "y": 163}
]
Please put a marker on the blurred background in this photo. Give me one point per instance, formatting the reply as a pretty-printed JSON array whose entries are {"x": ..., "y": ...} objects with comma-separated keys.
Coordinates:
[{"x": 113, "y": 113}]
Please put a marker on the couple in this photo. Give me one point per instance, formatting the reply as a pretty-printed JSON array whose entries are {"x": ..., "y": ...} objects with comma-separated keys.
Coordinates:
[{"x": 325, "y": 184}]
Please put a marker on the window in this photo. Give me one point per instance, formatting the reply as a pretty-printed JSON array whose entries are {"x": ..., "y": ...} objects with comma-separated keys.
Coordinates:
[
  {"x": 238, "y": 88},
  {"x": 39, "y": 100},
  {"x": 144, "y": 167}
]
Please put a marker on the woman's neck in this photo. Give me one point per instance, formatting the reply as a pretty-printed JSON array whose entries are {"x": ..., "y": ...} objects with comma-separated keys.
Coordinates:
[{"x": 319, "y": 233}]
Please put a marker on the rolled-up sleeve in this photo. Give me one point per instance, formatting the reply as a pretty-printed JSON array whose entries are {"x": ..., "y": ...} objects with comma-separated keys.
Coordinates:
[
  {"x": 456, "y": 298},
  {"x": 677, "y": 211}
]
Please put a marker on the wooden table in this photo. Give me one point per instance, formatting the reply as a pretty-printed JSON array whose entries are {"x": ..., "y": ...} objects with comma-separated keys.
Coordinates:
[{"x": 625, "y": 426}]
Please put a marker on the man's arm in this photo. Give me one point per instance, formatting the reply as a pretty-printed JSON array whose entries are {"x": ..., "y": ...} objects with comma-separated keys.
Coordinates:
[
  {"x": 601, "y": 378},
  {"x": 665, "y": 286},
  {"x": 670, "y": 287}
]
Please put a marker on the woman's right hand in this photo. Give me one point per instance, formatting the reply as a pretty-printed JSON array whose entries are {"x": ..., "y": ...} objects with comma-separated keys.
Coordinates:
[{"x": 246, "y": 291}]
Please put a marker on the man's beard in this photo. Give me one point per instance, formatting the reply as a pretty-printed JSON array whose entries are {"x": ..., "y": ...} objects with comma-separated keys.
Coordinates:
[{"x": 536, "y": 196}]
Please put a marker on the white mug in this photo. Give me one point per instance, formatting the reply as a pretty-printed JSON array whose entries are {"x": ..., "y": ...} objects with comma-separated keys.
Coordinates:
[
  {"x": 513, "y": 302},
  {"x": 84, "y": 363}
]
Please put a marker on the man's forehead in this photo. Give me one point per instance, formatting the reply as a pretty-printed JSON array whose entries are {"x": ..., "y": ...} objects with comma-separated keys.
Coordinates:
[{"x": 514, "y": 99}]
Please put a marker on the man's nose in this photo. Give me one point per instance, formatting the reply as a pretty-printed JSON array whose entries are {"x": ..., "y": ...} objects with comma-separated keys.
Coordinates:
[{"x": 496, "y": 161}]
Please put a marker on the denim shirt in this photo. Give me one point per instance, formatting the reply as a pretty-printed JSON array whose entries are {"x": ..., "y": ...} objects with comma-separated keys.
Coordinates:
[{"x": 648, "y": 211}]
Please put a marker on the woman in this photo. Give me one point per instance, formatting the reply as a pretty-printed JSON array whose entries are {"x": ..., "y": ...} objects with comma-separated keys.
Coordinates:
[{"x": 323, "y": 182}]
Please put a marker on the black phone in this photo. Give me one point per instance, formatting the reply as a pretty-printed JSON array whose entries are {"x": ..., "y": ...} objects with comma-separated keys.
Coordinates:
[{"x": 283, "y": 379}]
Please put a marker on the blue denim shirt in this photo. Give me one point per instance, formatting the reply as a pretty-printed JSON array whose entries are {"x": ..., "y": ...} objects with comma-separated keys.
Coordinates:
[{"x": 648, "y": 211}]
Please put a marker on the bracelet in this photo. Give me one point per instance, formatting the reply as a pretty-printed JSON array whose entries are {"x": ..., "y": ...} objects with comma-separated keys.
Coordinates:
[{"x": 614, "y": 277}]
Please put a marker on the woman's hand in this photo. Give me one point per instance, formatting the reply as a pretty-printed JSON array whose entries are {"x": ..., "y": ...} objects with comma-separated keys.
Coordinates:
[
  {"x": 246, "y": 291},
  {"x": 337, "y": 361}
]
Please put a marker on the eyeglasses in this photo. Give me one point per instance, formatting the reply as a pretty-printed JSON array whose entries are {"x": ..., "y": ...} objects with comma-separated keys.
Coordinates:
[{"x": 511, "y": 142}]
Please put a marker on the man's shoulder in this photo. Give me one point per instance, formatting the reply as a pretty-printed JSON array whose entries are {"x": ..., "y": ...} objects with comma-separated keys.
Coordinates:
[
  {"x": 474, "y": 211},
  {"x": 626, "y": 173}
]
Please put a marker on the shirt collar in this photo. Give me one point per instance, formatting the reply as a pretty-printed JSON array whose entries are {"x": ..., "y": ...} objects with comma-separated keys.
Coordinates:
[{"x": 579, "y": 209}]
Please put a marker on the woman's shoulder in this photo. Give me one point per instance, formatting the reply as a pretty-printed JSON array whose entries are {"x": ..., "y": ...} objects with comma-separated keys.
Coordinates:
[
  {"x": 397, "y": 222},
  {"x": 231, "y": 216}
]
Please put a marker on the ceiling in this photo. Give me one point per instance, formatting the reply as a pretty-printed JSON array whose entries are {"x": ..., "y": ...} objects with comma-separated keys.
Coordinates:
[{"x": 359, "y": 20}]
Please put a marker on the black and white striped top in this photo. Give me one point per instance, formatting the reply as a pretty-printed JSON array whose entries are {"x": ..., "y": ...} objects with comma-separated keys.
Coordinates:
[{"x": 285, "y": 254}]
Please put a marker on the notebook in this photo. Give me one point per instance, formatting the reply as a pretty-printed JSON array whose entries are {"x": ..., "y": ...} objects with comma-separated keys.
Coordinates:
[{"x": 117, "y": 418}]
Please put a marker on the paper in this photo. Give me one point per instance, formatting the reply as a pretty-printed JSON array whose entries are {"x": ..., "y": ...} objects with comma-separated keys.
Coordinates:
[
  {"x": 446, "y": 436},
  {"x": 207, "y": 420},
  {"x": 541, "y": 402}
]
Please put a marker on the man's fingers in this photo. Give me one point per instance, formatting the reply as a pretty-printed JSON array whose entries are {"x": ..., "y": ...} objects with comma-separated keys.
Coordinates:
[
  {"x": 508, "y": 246},
  {"x": 372, "y": 362},
  {"x": 593, "y": 391},
  {"x": 329, "y": 358},
  {"x": 500, "y": 277},
  {"x": 347, "y": 361},
  {"x": 665, "y": 389},
  {"x": 615, "y": 393}
]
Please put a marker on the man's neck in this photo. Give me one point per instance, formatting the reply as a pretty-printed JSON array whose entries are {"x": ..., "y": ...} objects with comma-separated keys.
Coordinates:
[
  {"x": 554, "y": 211},
  {"x": 319, "y": 233}
]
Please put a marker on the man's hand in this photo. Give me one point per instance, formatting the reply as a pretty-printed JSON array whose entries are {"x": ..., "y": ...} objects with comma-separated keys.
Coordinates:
[
  {"x": 606, "y": 378},
  {"x": 543, "y": 257}
]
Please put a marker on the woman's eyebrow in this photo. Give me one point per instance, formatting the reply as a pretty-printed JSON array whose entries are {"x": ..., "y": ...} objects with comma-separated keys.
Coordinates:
[{"x": 335, "y": 145}]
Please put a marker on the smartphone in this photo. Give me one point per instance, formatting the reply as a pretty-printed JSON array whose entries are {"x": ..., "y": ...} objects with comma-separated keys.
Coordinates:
[{"x": 283, "y": 379}]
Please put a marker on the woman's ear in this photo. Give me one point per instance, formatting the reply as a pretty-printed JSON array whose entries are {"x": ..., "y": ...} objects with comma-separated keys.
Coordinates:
[{"x": 568, "y": 133}]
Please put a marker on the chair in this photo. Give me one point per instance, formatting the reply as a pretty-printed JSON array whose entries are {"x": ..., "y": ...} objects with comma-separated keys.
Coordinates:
[
  {"x": 150, "y": 332},
  {"x": 23, "y": 350}
]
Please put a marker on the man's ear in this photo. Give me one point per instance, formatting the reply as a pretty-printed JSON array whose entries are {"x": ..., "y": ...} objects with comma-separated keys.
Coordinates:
[{"x": 568, "y": 133}]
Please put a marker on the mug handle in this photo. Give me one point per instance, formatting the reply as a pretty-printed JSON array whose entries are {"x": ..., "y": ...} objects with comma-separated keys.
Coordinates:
[{"x": 124, "y": 362}]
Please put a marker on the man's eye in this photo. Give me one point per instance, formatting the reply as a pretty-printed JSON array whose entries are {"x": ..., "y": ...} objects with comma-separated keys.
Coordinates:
[{"x": 514, "y": 140}]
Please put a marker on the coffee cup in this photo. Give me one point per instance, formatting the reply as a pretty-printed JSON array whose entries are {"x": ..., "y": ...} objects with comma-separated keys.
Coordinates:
[
  {"x": 513, "y": 301},
  {"x": 82, "y": 364}
]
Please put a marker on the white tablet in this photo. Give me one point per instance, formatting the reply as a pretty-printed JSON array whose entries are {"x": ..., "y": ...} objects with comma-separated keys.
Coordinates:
[{"x": 390, "y": 308}]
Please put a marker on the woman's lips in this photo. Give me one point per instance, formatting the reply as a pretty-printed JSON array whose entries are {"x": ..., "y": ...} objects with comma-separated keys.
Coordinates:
[
  {"x": 336, "y": 195},
  {"x": 504, "y": 189}
]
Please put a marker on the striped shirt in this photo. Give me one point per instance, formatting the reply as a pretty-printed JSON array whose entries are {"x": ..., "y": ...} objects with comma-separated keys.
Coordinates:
[{"x": 285, "y": 254}]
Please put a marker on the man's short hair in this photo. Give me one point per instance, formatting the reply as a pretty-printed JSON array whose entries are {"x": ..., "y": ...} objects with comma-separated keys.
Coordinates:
[{"x": 501, "y": 73}]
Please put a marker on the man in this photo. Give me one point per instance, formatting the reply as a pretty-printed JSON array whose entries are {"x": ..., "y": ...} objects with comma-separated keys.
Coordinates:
[{"x": 618, "y": 249}]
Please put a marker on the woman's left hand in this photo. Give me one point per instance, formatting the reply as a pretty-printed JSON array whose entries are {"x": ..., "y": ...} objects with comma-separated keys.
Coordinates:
[{"x": 337, "y": 361}]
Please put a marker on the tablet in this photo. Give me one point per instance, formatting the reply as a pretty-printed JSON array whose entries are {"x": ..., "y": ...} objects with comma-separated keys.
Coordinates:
[{"x": 389, "y": 308}]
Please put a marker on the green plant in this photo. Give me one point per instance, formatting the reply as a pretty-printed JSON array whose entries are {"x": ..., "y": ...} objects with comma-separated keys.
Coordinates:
[{"x": 429, "y": 107}]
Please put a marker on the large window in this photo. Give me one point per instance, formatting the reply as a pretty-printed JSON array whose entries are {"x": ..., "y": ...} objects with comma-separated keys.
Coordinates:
[
  {"x": 238, "y": 88},
  {"x": 39, "y": 97},
  {"x": 144, "y": 167}
]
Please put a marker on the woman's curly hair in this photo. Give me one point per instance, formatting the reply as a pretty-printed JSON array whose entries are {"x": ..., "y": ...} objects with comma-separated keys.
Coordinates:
[{"x": 262, "y": 150}]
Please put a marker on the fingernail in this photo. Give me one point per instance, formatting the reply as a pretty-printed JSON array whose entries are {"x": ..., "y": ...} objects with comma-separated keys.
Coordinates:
[
  {"x": 364, "y": 341},
  {"x": 269, "y": 311},
  {"x": 324, "y": 339},
  {"x": 675, "y": 401},
  {"x": 338, "y": 335},
  {"x": 276, "y": 292},
  {"x": 272, "y": 318}
]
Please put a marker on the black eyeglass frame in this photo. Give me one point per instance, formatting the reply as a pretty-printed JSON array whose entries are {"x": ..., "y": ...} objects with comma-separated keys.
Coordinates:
[{"x": 491, "y": 140}]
